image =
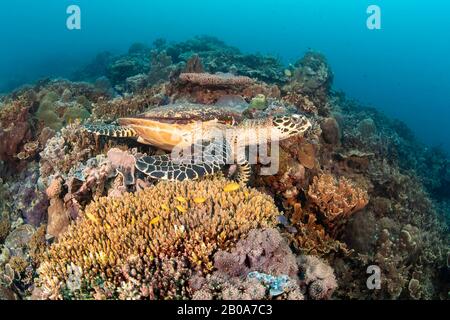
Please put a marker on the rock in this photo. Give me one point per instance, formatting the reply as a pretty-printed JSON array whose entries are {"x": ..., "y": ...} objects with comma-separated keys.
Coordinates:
[
  {"x": 58, "y": 221},
  {"x": 17, "y": 241},
  {"x": 367, "y": 128},
  {"x": 7, "y": 294},
  {"x": 330, "y": 131}
]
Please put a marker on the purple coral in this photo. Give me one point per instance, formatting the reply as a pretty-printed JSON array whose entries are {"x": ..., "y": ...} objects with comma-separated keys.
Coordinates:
[{"x": 263, "y": 250}]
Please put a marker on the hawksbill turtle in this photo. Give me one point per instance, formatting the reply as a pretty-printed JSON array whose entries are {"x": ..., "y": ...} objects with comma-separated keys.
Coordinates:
[{"x": 177, "y": 126}]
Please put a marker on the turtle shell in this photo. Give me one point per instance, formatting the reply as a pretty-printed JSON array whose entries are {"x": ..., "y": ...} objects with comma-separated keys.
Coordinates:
[{"x": 172, "y": 125}]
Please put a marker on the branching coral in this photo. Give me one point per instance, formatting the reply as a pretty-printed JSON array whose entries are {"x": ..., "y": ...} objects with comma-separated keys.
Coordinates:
[
  {"x": 188, "y": 221},
  {"x": 336, "y": 199}
]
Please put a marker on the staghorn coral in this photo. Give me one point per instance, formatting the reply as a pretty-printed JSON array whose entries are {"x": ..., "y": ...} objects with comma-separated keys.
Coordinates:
[
  {"x": 163, "y": 222},
  {"x": 336, "y": 199}
]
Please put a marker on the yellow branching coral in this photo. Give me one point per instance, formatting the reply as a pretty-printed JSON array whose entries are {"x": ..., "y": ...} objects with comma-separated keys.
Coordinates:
[
  {"x": 335, "y": 198},
  {"x": 127, "y": 239}
]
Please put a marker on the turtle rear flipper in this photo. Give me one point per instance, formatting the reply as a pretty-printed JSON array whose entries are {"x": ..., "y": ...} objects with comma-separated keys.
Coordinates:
[
  {"x": 211, "y": 161},
  {"x": 111, "y": 130},
  {"x": 173, "y": 171}
]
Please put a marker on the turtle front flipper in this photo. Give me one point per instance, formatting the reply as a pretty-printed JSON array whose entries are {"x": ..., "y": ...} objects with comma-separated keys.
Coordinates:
[
  {"x": 212, "y": 160},
  {"x": 243, "y": 173},
  {"x": 111, "y": 130}
]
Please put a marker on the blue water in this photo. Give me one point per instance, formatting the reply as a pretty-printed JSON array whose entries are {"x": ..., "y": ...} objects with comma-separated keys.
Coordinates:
[{"x": 402, "y": 69}]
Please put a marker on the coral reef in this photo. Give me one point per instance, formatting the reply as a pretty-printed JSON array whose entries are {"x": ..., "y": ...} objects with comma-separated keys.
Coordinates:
[{"x": 73, "y": 206}]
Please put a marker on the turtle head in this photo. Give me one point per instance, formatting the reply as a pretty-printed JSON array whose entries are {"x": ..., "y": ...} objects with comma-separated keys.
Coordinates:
[{"x": 290, "y": 125}]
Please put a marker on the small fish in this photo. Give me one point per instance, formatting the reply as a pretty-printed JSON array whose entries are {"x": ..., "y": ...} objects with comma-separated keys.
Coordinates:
[
  {"x": 181, "y": 209},
  {"x": 231, "y": 187},
  {"x": 199, "y": 200},
  {"x": 288, "y": 73},
  {"x": 155, "y": 220},
  {"x": 164, "y": 207},
  {"x": 181, "y": 199}
]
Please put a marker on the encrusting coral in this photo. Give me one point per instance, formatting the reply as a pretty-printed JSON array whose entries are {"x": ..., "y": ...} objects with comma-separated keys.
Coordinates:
[
  {"x": 317, "y": 276},
  {"x": 263, "y": 250},
  {"x": 126, "y": 241}
]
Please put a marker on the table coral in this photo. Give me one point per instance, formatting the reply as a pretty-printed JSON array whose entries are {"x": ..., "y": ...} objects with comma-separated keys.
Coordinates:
[
  {"x": 215, "y": 80},
  {"x": 159, "y": 223}
]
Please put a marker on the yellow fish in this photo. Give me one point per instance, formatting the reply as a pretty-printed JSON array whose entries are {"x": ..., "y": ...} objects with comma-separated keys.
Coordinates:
[
  {"x": 231, "y": 187},
  {"x": 91, "y": 217},
  {"x": 181, "y": 209},
  {"x": 199, "y": 200},
  {"x": 164, "y": 207},
  {"x": 181, "y": 199},
  {"x": 155, "y": 220}
]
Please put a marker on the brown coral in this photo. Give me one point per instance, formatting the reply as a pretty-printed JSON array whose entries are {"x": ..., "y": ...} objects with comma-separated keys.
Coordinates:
[
  {"x": 336, "y": 199},
  {"x": 188, "y": 220},
  {"x": 311, "y": 237},
  {"x": 15, "y": 129}
]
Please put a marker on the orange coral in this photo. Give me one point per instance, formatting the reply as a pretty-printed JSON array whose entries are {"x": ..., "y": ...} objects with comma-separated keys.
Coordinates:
[
  {"x": 311, "y": 237},
  {"x": 336, "y": 199}
]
